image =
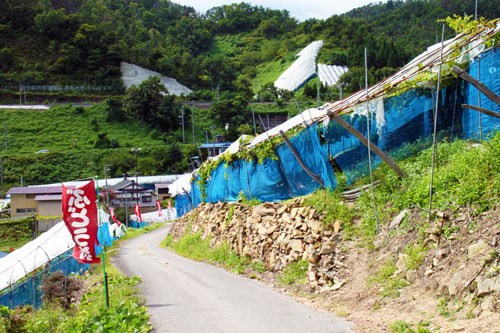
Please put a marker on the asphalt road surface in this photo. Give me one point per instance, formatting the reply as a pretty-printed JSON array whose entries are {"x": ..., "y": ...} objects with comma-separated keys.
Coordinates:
[{"x": 188, "y": 296}]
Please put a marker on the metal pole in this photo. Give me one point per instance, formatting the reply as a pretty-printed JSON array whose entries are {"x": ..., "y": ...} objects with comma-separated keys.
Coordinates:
[
  {"x": 192, "y": 123},
  {"x": 479, "y": 94},
  {"x": 435, "y": 125},
  {"x": 254, "y": 126},
  {"x": 182, "y": 115},
  {"x": 103, "y": 246},
  {"x": 475, "y": 12},
  {"x": 5, "y": 130},
  {"x": 1, "y": 166},
  {"x": 106, "y": 177},
  {"x": 369, "y": 143},
  {"x": 319, "y": 97},
  {"x": 20, "y": 94}
]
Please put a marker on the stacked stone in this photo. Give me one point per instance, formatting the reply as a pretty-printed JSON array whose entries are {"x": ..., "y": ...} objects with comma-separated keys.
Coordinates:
[{"x": 276, "y": 234}]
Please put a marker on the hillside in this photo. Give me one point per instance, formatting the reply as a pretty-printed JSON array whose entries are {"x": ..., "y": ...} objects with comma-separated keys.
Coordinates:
[{"x": 236, "y": 47}]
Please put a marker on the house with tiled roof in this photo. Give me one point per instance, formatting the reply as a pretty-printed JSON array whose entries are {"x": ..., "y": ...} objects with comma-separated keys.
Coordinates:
[
  {"x": 128, "y": 193},
  {"x": 30, "y": 200}
]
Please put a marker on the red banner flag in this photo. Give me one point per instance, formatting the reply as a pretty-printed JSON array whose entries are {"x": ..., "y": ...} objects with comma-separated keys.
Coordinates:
[
  {"x": 170, "y": 206},
  {"x": 80, "y": 216},
  {"x": 112, "y": 213},
  {"x": 158, "y": 205},
  {"x": 138, "y": 213}
]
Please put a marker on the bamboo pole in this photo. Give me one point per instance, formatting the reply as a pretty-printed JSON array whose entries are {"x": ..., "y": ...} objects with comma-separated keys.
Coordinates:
[
  {"x": 364, "y": 140},
  {"x": 297, "y": 157}
]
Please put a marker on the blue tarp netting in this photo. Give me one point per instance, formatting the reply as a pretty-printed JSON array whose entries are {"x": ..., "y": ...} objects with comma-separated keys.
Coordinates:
[
  {"x": 182, "y": 204},
  {"x": 488, "y": 67},
  {"x": 29, "y": 291},
  {"x": 400, "y": 126}
]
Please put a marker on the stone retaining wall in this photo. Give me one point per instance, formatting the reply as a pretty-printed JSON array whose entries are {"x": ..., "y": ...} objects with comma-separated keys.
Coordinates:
[{"x": 276, "y": 234}]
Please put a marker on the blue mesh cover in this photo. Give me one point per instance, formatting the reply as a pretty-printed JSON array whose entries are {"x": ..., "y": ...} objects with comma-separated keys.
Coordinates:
[
  {"x": 28, "y": 292},
  {"x": 307, "y": 145},
  {"x": 489, "y": 68},
  {"x": 182, "y": 204}
]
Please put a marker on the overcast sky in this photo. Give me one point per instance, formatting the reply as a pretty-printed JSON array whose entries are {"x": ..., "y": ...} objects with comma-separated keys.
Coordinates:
[{"x": 300, "y": 9}]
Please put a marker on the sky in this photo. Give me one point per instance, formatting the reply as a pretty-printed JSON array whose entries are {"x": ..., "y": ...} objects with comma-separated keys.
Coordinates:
[{"x": 300, "y": 9}]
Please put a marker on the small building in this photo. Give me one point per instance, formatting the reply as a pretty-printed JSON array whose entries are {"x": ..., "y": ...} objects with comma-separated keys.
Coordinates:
[
  {"x": 42, "y": 200},
  {"x": 215, "y": 148},
  {"x": 162, "y": 191},
  {"x": 127, "y": 193}
]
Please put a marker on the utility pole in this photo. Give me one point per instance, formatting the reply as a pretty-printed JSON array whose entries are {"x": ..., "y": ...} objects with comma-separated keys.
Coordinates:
[
  {"x": 5, "y": 130},
  {"x": 106, "y": 179},
  {"x": 136, "y": 150},
  {"x": 1, "y": 177},
  {"x": 212, "y": 128},
  {"x": 319, "y": 97},
  {"x": 254, "y": 126},
  {"x": 182, "y": 116},
  {"x": 192, "y": 122}
]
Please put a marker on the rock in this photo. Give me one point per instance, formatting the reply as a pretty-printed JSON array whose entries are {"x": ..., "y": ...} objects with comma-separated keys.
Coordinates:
[
  {"x": 454, "y": 283},
  {"x": 327, "y": 248},
  {"x": 336, "y": 226},
  {"x": 338, "y": 285},
  {"x": 401, "y": 263},
  {"x": 487, "y": 286},
  {"x": 281, "y": 210},
  {"x": 480, "y": 247},
  {"x": 296, "y": 245},
  {"x": 488, "y": 304},
  {"x": 287, "y": 218},
  {"x": 398, "y": 219},
  {"x": 293, "y": 212},
  {"x": 411, "y": 275}
]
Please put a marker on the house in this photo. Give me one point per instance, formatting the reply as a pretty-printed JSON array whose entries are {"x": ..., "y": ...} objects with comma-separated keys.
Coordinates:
[
  {"x": 162, "y": 191},
  {"x": 42, "y": 200},
  {"x": 215, "y": 148},
  {"x": 128, "y": 193}
]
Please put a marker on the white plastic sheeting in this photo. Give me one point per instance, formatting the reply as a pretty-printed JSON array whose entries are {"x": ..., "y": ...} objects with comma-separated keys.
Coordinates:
[
  {"x": 24, "y": 107},
  {"x": 152, "y": 217},
  {"x": 183, "y": 183},
  {"x": 38, "y": 252},
  {"x": 329, "y": 75},
  {"x": 35, "y": 254},
  {"x": 301, "y": 70},
  {"x": 134, "y": 75}
]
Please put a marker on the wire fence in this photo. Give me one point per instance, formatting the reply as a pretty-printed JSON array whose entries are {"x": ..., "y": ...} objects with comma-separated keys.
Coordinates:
[
  {"x": 51, "y": 88},
  {"x": 29, "y": 292}
]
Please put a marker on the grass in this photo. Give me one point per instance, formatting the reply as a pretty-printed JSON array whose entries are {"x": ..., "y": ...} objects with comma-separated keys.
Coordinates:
[
  {"x": 389, "y": 282},
  {"x": 401, "y": 326},
  {"x": 194, "y": 247},
  {"x": 295, "y": 272},
  {"x": 55, "y": 130}
]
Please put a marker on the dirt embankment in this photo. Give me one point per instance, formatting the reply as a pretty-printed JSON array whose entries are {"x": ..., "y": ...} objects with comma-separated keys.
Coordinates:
[{"x": 438, "y": 276}]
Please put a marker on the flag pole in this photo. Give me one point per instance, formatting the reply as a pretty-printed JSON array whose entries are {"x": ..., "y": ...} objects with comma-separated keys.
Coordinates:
[{"x": 102, "y": 245}]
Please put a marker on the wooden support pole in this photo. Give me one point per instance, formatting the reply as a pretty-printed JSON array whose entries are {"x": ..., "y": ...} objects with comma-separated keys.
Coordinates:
[
  {"x": 364, "y": 140},
  {"x": 297, "y": 156},
  {"x": 478, "y": 84},
  {"x": 483, "y": 110},
  {"x": 189, "y": 197}
]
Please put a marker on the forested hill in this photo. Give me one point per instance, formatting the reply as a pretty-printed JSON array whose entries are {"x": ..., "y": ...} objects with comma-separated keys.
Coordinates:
[{"x": 83, "y": 41}]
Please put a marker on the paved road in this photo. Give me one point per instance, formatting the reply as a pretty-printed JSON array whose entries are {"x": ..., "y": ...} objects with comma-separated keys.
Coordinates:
[{"x": 188, "y": 296}]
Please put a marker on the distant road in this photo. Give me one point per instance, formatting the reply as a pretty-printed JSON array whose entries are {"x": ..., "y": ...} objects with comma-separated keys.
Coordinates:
[{"x": 188, "y": 296}]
